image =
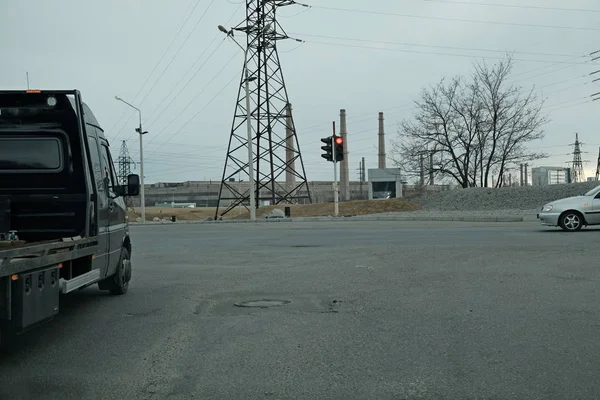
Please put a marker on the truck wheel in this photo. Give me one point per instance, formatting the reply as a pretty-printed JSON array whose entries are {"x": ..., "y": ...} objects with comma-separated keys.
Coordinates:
[{"x": 119, "y": 282}]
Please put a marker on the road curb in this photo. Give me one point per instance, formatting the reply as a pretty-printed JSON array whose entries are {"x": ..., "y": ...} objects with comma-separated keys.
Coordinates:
[{"x": 348, "y": 219}]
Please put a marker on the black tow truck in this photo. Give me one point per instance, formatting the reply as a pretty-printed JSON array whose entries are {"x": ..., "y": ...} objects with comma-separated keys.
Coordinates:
[{"x": 63, "y": 218}]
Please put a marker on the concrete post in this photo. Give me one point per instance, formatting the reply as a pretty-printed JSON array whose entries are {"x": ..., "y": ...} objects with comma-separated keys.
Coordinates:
[{"x": 344, "y": 172}]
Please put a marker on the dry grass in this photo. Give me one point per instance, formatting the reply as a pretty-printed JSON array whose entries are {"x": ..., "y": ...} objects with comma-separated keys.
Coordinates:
[
  {"x": 347, "y": 208},
  {"x": 184, "y": 214}
]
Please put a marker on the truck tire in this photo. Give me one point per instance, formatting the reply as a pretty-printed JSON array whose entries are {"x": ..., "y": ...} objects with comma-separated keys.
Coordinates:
[{"x": 119, "y": 282}]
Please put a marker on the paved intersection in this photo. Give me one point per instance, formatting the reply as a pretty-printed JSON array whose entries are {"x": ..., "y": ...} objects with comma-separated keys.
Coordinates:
[{"x": 379, "y": 310}]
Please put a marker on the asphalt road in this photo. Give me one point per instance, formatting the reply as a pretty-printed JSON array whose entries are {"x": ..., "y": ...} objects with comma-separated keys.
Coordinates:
[{"x": 379, "y": 310}]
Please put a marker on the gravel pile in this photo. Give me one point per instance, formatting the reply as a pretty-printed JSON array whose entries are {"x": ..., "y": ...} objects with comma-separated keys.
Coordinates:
[{"x": 508, "y": 200}]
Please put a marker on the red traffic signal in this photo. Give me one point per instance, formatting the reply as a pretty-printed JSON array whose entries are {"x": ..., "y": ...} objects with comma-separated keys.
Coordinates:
[{"x": 338, "y": 149}]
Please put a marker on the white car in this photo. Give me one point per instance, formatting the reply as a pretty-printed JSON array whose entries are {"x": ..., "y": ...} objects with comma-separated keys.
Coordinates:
[{"x": 572, "y": 213}]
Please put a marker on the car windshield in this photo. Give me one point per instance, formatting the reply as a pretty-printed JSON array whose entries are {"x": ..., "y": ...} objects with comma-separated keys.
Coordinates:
[{"x": 593, "y": 191}]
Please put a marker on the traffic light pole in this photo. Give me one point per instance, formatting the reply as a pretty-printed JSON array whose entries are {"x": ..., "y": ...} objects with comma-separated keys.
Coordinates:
[{"x": 335, "y": 182}]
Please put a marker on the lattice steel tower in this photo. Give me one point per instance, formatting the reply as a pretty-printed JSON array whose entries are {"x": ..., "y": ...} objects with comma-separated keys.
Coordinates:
[
  {"x": 124, "y": 163},
  {"x": 578, "y": 174},
  {"x": 274, "y": 139}
]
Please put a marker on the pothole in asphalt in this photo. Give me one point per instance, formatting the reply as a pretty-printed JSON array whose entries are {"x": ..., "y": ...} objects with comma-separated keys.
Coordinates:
[{"x": 263, "y": 303}]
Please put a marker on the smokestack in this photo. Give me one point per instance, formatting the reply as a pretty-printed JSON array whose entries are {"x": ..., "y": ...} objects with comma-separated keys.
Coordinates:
[
  {"x": 344, "y": 173},
  {"x": 521, "y": 181},
  {"x": 290, "y": 179},
  {"x": 381, "y": 155}
]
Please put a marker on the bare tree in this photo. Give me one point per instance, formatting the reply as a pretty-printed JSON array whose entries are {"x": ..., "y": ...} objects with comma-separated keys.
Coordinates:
[{"x": 474, "y": 129}]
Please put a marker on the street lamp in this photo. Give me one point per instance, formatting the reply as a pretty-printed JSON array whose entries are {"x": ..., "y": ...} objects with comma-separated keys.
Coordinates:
[
  {"x": 141, "y": 132},
  {"x": 247, "y": 81}
]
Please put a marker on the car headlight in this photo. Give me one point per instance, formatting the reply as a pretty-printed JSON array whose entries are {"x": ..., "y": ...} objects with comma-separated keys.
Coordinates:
[{"x": 547, "y": 208}]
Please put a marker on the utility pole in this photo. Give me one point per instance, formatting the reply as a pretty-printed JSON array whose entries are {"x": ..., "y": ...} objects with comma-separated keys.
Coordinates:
[
  {"x": 335, "y": 182},
  {"x": 141, "y": 133},
  {"x": 27, "y": 76}
]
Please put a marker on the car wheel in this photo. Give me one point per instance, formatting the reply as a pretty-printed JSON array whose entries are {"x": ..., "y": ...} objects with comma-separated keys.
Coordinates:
[{"x": 571, "y": 221}]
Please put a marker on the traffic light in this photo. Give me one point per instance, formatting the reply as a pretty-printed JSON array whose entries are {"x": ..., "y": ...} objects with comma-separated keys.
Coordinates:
[
  {"x": 338, "y": 148},
  {"x": 328, "y": 155}
]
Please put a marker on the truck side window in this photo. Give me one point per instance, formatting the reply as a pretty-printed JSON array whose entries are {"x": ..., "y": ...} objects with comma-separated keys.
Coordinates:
[
  {"x": 109, "y": 169},
  {"x": 95, "y": 158}
]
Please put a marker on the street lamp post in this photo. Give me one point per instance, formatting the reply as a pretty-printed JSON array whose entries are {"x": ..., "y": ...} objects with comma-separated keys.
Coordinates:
[
  {"x": 141, "y": 132},
  {"x": 247, "y": 81}
]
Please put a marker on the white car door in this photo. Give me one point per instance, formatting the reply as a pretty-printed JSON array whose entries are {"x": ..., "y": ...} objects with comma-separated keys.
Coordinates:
[{"x": 592, "y": 211}]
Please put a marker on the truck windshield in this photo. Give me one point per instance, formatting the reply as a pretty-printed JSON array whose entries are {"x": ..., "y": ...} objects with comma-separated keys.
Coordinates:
[{"x": 32, "y": 153}]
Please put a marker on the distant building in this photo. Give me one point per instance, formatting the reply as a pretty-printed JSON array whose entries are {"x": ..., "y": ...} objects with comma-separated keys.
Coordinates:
[
  {"x": 543, "y": 176},
  {"x": 384, "y": 183}
]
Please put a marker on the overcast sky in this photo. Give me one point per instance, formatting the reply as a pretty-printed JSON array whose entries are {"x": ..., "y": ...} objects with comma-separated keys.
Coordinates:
[{"x": 111, "y": 47}]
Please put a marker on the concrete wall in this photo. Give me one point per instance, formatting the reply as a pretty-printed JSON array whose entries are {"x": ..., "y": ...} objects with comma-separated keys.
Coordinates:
[{"x": 206, "y": 193}]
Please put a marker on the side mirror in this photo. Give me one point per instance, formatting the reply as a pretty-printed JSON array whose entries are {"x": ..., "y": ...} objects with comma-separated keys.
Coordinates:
[
  {"x": 131, "y": 189},
  {"x": 133, "y": 185}
]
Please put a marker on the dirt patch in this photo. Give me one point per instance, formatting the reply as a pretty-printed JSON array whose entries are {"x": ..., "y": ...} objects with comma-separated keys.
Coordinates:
[
  {"x": 347, "y": 208},
  {"x": 183, "y": 214}
]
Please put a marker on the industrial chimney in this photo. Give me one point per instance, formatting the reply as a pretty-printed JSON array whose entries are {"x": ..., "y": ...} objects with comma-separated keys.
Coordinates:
[
  {"x": 381, "y": 154},
  {"x": 344, "y": 173},
  {"x": 290, "y": 179}
]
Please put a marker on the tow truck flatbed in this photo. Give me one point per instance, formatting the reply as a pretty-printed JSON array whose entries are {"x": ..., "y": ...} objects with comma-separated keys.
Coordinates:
[{"x": 24, "y": 257}]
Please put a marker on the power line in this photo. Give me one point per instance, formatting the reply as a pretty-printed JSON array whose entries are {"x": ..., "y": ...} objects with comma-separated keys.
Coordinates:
[
  {"x": 513, "y": 6},
  {"x": 391, "y": 14},
  {"x": 442, "y": 54},
  {"x": 200, "y": 92},
  {"x": 170, "y": 62},
  {"x": 433, "y": 46},
  {"x": 552, "y": 71},
  {"x": 198, "y": 112},
  {"x": 188, "y": 71},
  {"x": 189, "y": 14},
  {"x": 183, "y": 88}
]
